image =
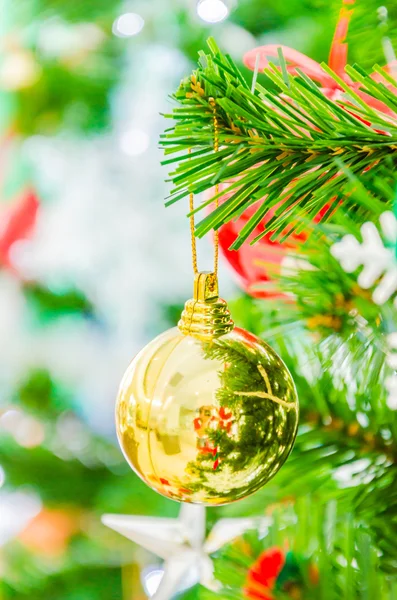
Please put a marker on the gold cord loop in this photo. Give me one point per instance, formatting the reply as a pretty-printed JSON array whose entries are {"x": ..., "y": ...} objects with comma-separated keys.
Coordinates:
[{"x": 191, "y": 204}]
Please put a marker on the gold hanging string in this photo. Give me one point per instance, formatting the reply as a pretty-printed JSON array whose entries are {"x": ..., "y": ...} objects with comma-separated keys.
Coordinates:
[
  {"x": 216, "y": 148},
  {"x": 191, "y": 204},
  {"x": 192, "y": 236}
]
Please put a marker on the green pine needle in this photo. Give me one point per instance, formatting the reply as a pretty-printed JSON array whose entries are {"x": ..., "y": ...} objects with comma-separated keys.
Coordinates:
[{"x": 289, "y": 146}]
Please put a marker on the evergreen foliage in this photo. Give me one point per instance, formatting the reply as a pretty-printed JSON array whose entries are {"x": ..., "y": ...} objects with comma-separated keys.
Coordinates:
[
  {"x": 287, "y": 148},
  {"x": 290, "y": 147}
]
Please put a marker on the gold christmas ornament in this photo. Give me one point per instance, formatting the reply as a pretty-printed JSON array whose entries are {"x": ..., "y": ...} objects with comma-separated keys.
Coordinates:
[{"x": 206, "y": 412}]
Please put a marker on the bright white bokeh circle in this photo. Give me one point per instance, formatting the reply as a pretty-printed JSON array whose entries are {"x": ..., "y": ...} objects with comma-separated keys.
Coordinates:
[
  {"x": 212, "y": 11},
  {"x": 134, "y": 142},
  {"x": 128, "y": 24}
]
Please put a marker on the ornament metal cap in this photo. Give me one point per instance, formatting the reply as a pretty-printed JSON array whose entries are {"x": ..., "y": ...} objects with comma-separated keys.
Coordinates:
[{"x": 206, "y": 316}]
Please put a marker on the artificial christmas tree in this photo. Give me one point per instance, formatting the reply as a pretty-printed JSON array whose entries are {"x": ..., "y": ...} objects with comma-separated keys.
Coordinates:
[
  {"x": 285, "y": 142},
  {"x": 325, "y": 526}
]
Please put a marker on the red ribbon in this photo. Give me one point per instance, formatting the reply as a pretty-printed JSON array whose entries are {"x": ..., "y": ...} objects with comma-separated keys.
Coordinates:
[{"x": 337, "y": 61}]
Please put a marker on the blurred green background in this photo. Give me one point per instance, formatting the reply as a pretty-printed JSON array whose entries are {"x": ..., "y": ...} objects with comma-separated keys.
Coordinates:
[{"x": 92, "y": 265}]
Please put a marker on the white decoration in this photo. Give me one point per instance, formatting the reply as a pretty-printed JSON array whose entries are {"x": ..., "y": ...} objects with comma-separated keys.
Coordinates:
[
  {"x": 181, "y": 543},
  {"x": 379, "y": 271},
  {"x": 378, "y": 261}
]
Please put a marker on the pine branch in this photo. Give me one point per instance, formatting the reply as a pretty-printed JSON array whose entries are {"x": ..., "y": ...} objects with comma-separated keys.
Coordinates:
[
  {"x": 327, "y": 554},
  {"x": 350, "y": 328},
  {"x": 346, "y": 446},
  {"x": 345, "y": 450},
  {"x": 286, "y": 142}
]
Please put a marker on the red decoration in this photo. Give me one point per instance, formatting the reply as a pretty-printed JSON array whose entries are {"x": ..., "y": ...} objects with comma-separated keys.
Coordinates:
[
  {"x": 16, "y": 223},
  {"x": 50, "y": 531},
  {"x": 337, "y": 61},
  {"x": 259, "y": 264},
  {"x": 262, "y": 576},
  {"x": 18, "y": 218}
]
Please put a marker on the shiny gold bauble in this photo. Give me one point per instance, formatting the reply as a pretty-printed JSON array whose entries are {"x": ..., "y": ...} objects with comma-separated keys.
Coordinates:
[{"x": 206, "y": 417}]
